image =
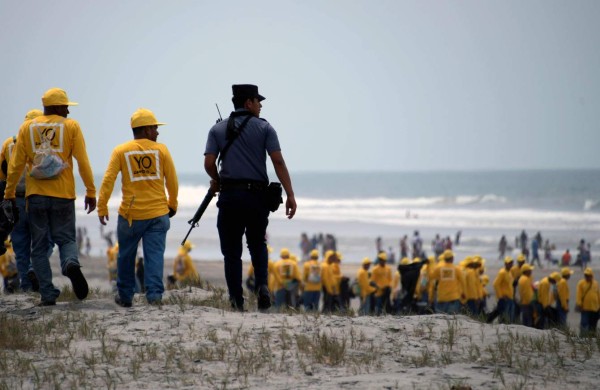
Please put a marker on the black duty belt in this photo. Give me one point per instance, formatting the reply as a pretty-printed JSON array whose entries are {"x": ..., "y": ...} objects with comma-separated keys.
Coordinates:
[{"x": 249, "y": 185}]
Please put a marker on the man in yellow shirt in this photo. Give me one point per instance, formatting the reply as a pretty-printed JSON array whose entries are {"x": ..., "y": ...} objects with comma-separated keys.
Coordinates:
[
  {"x": 51, "y": 197},
  {"x": 504, "y": 289},
  {"x": 562, "y": 303},
  {"x": 472, "y": 287},
  {"x": 313, "y": 282},
  {"x": 382, "y": 276},
  {"x": 525, "y": 288},
  {"x": 20, "y": 235},
  {"x": 588, "y": 303},
  {"x": 450, "y": 285},
  {"x": 547, "y": 295},
  {"x": 184, "y": 270},
  {"x": 366, "y": 286},
  {"x": 146, "y": 167},
  {"x": 287, "y": 279}
]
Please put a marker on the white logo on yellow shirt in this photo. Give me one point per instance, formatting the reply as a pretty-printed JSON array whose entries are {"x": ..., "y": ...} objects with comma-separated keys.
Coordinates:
[
  {"x": 143, "y": 165},
  {"x": 53, "y": 132}
]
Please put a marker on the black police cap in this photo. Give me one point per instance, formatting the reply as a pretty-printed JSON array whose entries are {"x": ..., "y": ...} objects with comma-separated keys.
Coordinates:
[{"x": 246, "y": 91}]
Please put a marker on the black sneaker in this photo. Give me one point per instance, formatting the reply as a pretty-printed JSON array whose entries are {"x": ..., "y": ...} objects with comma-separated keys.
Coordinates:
[
  {"x": 264, "y": 298},
  {"x": 119, "y": 302},
  {"x": 80, "y": 286},
  {"x": 35, "y": 284}
]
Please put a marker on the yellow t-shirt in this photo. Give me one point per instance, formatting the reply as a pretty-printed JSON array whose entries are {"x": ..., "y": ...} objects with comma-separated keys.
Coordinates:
[
  {"x": 312, "y": 276},
  {"x": 146, "y": 167},
  {"x": 66, "y": 141}
]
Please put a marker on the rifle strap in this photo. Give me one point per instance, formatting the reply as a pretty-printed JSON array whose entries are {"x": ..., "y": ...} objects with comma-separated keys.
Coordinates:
[{"x": 233, "y": 132}]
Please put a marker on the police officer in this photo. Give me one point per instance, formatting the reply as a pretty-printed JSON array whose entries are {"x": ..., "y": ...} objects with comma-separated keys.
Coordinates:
[{"x": 242, "y": 181}]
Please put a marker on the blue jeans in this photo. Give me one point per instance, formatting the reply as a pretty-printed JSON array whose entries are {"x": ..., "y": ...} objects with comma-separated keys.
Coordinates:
[
  {"x": 311, "y": 300},
  {"x": 280, "y": 297},
  {"x": 562, "y": 315},
  {"x": 153, "y": 233},
  {"x": 54, "y": 217},
  {"x": 21, "y": 240},
  {"x": 365, "y": 305},
  {"x": 451, "y": 307},
  {"x": 243, "y": 212},
  {"x": 527, "y": 315},
  {"x": 588, "y": 323}
]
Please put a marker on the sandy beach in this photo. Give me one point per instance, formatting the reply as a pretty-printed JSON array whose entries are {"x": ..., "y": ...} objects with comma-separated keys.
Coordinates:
[{"x": 194, "y": 341}]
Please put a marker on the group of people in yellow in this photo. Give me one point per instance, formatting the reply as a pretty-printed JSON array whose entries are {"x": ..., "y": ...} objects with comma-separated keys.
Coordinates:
[{"x": 433, "y": 285}]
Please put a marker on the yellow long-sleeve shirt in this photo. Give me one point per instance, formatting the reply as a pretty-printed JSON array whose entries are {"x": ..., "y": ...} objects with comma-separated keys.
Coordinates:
[
  {"x": 545, "y": 294},
  {"x": 328, "y": 279},
  {"x": 312, "y": 276},
  {"x": 563, "y": 293},
  {"x": 588, "y": 295},
  {"x": 284, "y": 271},
  {"x": 362, "y": 277},
  {"x": 146, "y": 167},
  {"x": 67, "y": 142},
  {"x": 382, "y": 276},
  {"x": 525, "y": 287},
  {"x": 503, "y": 284},
  {"x": 5, "y": 154},
  {"x": 472, "y": 284},
  {"x": 450, "y": 282}
]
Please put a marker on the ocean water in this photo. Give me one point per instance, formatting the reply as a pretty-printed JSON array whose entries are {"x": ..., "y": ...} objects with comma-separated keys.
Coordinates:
[{"x": 564, "y": 205}]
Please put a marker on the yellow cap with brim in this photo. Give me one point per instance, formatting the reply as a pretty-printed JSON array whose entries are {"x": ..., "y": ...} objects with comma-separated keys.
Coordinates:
[
  {"x": 521, "y": 258},
  {"x": 187, "y": 245},
  {"x": 32, "y": 114},
  {"x": 56, "y": 97},
  {"x": 285, "y": 252},
  {"x": 508, "y": 260},
  {"x": 526, "y": 267},
  {"x": 366, "y": 261},
  {"x": 314, "y": 254},
  {"x": 144, "y": 117},
  {"x": 448, "y": 254},
  {"x": 588, "y": 271},
  {"x": 382, "y": 256},
  {"x": 566, "y": 271},
  {"x": 555, "y": 276}
]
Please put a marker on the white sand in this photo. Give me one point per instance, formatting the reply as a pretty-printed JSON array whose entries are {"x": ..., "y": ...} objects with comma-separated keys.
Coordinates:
[{"x": 186, "y": 344}]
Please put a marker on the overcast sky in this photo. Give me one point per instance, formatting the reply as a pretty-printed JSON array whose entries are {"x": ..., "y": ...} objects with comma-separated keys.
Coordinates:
[{"x": 350, "y": 85}]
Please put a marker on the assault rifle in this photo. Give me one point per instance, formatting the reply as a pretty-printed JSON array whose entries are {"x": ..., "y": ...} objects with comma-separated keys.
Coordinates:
[{"x": 207, "y": 199}]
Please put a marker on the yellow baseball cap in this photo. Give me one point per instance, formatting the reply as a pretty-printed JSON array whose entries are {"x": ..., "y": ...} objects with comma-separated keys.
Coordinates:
[
  {"x": 382, "y": 256},
  {"x": 508, "y": 259},
  {"x": 521, "y": 258},
  {"x": 31, "y": 114},
  {"x": 144, "y": 117},
  {"x": 314, "y": 254},
  {"x": 56, "y": 97},
  {"x": 285, "y": 252},
  {"x": 187, "y": 245},
  {"x": 555, "y": 276},
  {"x": 448, "y": 254},
  {"x": 405, "y": 261},
  {"x": 566, "y": 271},
  {"x": 526, "y": 267},
  {"x": 365, "y": 261},
  {"x": 588, "y": 271}
]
